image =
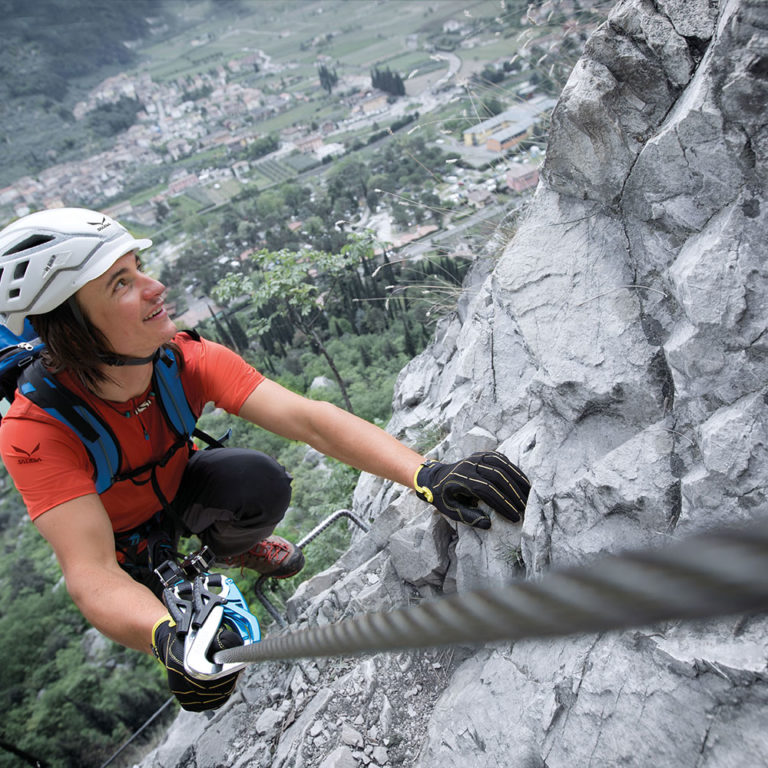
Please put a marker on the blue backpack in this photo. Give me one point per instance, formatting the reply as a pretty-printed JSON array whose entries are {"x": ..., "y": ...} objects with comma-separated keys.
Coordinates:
[{"x": 21, "y": 366}]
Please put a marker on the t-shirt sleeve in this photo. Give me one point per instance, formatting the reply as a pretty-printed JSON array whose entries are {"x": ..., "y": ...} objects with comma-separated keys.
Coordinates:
[
  {"x": 47, "y": 464},
  {"x": 226, "y": 378}
]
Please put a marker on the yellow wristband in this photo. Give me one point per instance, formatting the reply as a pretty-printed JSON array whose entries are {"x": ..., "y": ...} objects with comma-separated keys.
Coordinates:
[
  {"x": 160, "y": 621},
  {"x": 426, "y": 492}
]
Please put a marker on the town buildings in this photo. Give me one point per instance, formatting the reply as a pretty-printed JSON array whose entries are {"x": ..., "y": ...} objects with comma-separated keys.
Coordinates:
[{"x": 507, "y": 129}]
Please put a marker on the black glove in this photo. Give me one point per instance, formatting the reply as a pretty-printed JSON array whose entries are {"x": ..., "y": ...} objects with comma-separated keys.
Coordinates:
[
  {"x": 455, "y": 489},
  {"x": 194, "y": 694}
]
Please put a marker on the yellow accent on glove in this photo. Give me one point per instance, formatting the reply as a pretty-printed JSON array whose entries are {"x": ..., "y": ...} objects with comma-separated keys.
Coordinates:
[
  {"x": 457, "y": 489},
  {"x": 423, "y": 490},
  {"x": 194, "y": 694},
  {"x": 162, "y": 619}
]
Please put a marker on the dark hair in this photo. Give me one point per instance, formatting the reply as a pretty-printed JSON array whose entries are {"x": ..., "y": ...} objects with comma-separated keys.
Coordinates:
[{"x": 76, "y": 345}]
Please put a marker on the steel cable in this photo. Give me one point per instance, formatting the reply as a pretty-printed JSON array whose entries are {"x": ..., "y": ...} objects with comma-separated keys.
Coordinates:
[{"x": 720, "y": 573}]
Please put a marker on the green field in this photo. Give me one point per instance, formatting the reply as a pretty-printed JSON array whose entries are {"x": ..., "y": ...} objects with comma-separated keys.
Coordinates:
[
  {"x": 354, "y": 34},
  {"x": 301, "y": 113}
]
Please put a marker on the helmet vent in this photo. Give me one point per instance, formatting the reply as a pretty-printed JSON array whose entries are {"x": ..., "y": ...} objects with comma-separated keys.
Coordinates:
[
  {"x": 20, "y": 270},
  {"x": 14, "y": 293},
  {"x": 31, "y": 242}
]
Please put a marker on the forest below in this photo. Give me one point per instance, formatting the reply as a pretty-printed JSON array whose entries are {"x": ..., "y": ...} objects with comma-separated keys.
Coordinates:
[{"x": 337, "y": 325}]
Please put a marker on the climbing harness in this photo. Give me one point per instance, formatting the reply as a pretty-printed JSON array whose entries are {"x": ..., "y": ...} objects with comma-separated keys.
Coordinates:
[
  {"x": 199, "y": 603},
  {"x": 720, "y": 573}
]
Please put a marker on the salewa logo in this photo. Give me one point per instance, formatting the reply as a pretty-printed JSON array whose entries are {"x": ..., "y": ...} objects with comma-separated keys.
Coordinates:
[
  {"x": 48, "y": 266},
  {"x": 29, "y": 456},
  {"x": 100, "y": 225}
]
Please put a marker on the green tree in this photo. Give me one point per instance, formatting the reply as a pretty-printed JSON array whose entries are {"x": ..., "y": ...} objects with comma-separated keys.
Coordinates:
[
  {"x": 260, "y": 147},
  {"x": 328, "y": 78},
  {"x": 296, "y": 282},
  {"x": 270, "y": 208},
  {"x": 388, "y": 81},
  {"x": 111, "y": 119},
  {"x": 349, "y": 179},
  {"x": 490, "y": 107}
]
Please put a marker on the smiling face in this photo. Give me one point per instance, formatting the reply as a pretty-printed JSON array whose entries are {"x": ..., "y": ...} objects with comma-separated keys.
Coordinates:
[{"x": 127, "y": 306}]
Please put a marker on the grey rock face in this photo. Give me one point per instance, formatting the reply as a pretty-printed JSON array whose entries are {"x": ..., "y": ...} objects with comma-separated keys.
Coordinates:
[
  {"x": 618, "y": 352},
  {"x": 646, "y": 328}
]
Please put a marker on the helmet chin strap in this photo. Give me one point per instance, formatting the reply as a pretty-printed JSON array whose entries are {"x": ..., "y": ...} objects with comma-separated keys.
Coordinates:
[{"x": 121, "y": 361}]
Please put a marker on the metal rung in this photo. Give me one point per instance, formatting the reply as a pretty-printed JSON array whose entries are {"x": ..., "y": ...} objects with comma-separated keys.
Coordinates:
[{"x": 311, "y": 536}]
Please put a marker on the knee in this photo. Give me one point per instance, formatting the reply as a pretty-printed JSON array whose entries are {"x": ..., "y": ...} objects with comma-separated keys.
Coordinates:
[
  {"x": 238, "y": 485},
  {"x": 270, "y": 490}
]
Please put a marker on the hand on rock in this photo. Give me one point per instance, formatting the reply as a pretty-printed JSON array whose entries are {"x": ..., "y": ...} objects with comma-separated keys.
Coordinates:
[{"x": 455, "y": 489}]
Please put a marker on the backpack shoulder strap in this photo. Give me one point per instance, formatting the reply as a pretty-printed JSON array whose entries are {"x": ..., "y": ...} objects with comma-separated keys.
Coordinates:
[
  {"x": 44, "y": 389},
  {"x": 170, "y": 394},
  {"x": 47, "y": 392},
  {"x": 173, "y": 402}
]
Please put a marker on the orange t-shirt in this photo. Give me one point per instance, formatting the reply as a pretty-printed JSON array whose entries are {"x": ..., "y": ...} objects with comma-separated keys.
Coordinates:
[{"x": 50, "y": 465}]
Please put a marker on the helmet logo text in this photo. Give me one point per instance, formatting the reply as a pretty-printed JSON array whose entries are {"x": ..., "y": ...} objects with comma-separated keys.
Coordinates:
[{"x": 101, "y": 225}]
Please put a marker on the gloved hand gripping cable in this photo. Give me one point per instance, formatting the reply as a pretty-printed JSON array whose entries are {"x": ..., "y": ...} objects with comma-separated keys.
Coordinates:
[{"x": 206, "y": 613}]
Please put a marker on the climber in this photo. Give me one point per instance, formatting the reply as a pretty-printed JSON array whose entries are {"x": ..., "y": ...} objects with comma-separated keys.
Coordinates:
[{"x": 103, "y": 387}]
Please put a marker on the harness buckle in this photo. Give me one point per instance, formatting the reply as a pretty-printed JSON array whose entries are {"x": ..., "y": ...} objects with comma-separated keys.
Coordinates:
[
  {"x": 199, "y": 562},
  {"x": 169, "y": 573}
]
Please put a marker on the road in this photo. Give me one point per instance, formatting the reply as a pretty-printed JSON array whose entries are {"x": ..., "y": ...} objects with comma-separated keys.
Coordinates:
[
  {"x": 446, "y": 237},
  {"x": 454, "y": 65}
]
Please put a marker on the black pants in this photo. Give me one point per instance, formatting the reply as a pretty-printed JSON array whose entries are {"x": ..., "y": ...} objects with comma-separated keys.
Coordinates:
[{"x": 230, "y": 498}]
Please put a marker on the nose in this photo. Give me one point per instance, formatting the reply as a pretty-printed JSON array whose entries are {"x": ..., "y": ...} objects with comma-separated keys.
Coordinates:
[{"x": 152, "y": 287}]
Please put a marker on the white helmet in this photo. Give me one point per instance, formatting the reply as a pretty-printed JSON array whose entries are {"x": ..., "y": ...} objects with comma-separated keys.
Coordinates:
[{"x": 46, "y": 257}]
